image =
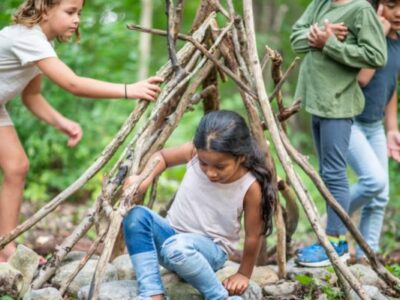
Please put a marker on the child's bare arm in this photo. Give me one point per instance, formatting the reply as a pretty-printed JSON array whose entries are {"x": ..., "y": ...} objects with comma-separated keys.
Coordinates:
[
  {"x": 238, "y": 283},
  {"x": 63, "y": 76},
  {"x": 365, "y": 76},
  {"x": 393, "y": 135},
  {"x": 168, "y": 157},
  {"x": 37, "y": 104}
]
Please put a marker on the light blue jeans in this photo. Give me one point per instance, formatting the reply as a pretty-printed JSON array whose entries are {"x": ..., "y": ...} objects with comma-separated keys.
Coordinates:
[
  {"x": 195, "y": 258},
  {"x": 369, "y": 159}
]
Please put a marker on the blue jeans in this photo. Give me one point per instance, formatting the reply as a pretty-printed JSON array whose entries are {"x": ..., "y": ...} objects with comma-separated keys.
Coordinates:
[
  {"x": 331, "y": 137},
  {"x": 369, "y": 159},
  {"x": 152, "y": 241}
]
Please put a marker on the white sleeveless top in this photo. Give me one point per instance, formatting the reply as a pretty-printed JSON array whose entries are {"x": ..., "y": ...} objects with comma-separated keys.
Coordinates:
[{"x": 208, "y": 208}]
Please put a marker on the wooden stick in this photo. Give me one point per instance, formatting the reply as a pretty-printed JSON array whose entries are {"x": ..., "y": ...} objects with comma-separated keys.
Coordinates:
[
  {"x": 83, "y": 262},
  {"x": 52, "y": 265},
  {"x": 284, "y": 78},
  {"x": 170, "y": 13},
  {"x": 153, "y": 193},
  {"x": 281, "y": 241}
]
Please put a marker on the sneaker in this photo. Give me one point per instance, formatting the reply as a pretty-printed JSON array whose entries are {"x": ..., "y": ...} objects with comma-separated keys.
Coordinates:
[{"x": 315, "y": 255}]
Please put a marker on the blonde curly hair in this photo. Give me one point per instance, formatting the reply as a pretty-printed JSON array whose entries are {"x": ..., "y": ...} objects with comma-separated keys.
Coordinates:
[{"x": 31, "y": 13}]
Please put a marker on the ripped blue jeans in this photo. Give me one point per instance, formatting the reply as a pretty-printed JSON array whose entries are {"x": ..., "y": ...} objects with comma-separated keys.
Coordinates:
[{"x": 152, "y": 241}]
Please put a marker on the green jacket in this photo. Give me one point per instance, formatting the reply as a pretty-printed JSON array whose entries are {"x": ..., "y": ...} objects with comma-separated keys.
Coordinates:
[{"x": 327, "y": 81}]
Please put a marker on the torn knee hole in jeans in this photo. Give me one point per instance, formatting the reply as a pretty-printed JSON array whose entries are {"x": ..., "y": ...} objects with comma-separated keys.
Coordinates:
[{"x": 174, "y": 255}]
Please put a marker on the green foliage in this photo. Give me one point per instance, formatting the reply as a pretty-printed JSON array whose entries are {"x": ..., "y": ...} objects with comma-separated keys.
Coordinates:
[
  {"x": 394, "y": 269},
  {"x": 6, "y": 298},
  {"x": 331, "y": 293},
  {"x": 305, "y": 280},
  {"x": 313, "y": 287}
]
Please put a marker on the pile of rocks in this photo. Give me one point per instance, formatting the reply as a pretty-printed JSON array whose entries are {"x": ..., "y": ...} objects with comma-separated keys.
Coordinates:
[{"x": 119, "y": 280}]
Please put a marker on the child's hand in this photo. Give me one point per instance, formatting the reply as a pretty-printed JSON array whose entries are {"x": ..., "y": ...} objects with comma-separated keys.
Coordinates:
[
  {"x": 317, "y": 37},
  {"x": 385, "y": 23},
  {"x": 393, "y": 144},
  {"x": 340, "y": 30},
  {"x": 130, "y": 180},
  {"x": 236, "y": 284},
  {"x": 72, "y": 129},
  {"x": 145, "y": 89}
]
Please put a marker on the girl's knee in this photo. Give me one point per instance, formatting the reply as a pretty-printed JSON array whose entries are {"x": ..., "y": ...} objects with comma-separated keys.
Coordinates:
[
  {"x": 374, "y": 185},
  {"x": 16, "y": 169},
  {"x": 176, "y": 249},
  {"x": 137, "y": 216}
]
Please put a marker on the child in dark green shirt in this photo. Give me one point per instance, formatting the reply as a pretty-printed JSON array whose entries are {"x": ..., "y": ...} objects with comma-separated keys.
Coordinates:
[{"x": 338, "y": 37}]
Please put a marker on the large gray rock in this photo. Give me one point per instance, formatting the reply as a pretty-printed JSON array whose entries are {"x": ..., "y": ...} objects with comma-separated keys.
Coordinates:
[
  {"x": 182, "y": 291},
  {"x": 76, "y": 256},
  {"x": 124, "y": 267},
  {"x": 372, "y": 291},
  {"x": 280, "y": 289},
  {"x": 121, "y": 290},
  {"x": 261, "y": 275},
  {"x": 43, "y": 294},
  {"x": 178, "y": 290},
  {"x": 26, "y": 261},
  {"x": 84, "y": 277},
  {"x": 11, "y": 280},
  {"x": 366, "y": 275},
  {"x": 253, "y": 292}
]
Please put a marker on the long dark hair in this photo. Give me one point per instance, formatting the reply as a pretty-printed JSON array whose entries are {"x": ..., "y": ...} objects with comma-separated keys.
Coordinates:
[{"x": 227, "y": 132}]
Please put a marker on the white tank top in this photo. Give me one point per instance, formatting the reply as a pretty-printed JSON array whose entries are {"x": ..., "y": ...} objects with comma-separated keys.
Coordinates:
[{"x": 208, "y": 208}]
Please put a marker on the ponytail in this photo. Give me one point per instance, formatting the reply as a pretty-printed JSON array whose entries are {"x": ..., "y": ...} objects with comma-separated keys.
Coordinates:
[{"x": 255, "y": 163}]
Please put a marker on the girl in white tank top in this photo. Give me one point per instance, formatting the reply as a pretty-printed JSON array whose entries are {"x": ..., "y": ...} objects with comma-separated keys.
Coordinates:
[{"x": 226, "y": 176}]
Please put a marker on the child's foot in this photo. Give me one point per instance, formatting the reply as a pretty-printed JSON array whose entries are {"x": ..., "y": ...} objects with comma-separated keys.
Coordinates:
[{"x": 315, "y": 255}]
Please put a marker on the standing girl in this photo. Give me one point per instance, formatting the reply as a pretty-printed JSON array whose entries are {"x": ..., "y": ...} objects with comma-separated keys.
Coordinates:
[
  {"x": 26, "y": 54},
  {"x": 339, "y": 37},
  {"x": 225, "y": 176},
  {"x": 368, "y": 151}
]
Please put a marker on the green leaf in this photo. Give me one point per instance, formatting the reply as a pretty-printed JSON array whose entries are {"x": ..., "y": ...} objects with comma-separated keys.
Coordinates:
[{"x": 305, "y": 280}]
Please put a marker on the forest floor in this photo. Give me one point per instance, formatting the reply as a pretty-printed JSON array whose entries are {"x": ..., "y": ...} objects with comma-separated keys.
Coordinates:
[{"x": 50, "y": 232}]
